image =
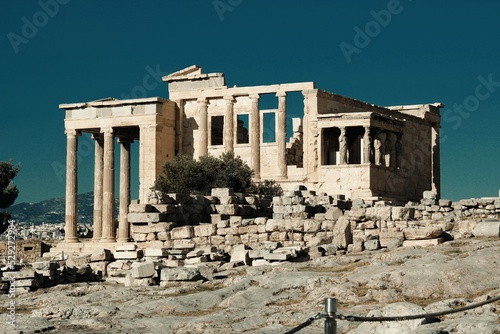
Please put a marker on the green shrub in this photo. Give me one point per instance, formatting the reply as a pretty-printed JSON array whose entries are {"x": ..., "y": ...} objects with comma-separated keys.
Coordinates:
[
  {"x": 266, "y": 188},
  {"x": 185, "y": 175}
]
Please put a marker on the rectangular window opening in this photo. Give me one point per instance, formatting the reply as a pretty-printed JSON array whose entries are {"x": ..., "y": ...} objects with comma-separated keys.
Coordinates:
[
  {"x": 242, "y": 129},
  {"x": 217, "y": 130},
  {"x": 269, "y": 127}
]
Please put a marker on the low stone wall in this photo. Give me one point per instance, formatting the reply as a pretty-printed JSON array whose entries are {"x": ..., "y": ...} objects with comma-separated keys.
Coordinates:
[
  {"x": 26, "y": 250},
  {"x": 304, "y": 218},
  {"x": 180, "y": 237}
]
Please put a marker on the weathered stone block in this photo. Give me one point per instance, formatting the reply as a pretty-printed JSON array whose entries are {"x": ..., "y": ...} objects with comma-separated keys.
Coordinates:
[
  {"x": 139, "y": 208},
  {"x": 142, "y": 269},
  {"x": 184, "y": 244},
  {"x": 379, "y": 212},
  {"x": 312, "y": 226},
  {"x": 487, "y": 229},
  {"x": 126, "y": 247},
  {"x": 391, "y": 239},
  {"x": 429, "y": 232},
  {"x": 356, "y": 213},
  {"x": 423, "y": 243},
  {"x": 147, "y": 217},
  {"x": 469, "y": 202},
  {"x": 372, "y": 244},
  {"x": 156, "y": 252},
  {"x": 163, "y": 236},
  {"x": 44, "y": 265},
  {"x": 195, "y": 260},
  {"x": 428, "y": 194},
  {"x": 24, "y": 273},
  {"x": 140, "y": 237},
  {"x": 130, "y": 280},
  {"x": 274, "y": 225},
  {"x": 127, "y": 255},
  {"x": 100, "y": 268},
  {"x": 227, "y": 209},
  {"x": 164, "y": 208},
  {"x": 444, "y": 202},
  {"x": 180, "y": 274},
  {"x": 342, "y": 233},
  {"x": 205, "y": 230},
  {"x": 78, "y": 261},
  {"x": 218, "y": 192},
  {"x": 333, "y": 213},
  {"x": 101, "y": 255},
  {"x": 278, "y": 236},
  {"x": 183, "y": 232},
  {"x": 294, "y": 224},
  {"x": 278, "y": 256}
]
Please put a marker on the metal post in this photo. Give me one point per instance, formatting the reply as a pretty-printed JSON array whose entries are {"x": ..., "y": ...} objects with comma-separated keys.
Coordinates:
[{"x": 330, "y": 322}]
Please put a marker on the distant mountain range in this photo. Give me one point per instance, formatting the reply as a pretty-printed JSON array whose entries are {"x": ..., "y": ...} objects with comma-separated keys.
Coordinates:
[{"x": 53, "y": 210}]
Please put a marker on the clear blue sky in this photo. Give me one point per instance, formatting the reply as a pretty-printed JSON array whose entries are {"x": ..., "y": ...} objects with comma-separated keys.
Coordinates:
[{"x": 419, "y": 51}]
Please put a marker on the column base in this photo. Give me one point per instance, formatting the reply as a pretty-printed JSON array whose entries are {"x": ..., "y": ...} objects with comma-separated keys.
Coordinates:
[
  {"x": 123, "y": 240},
  {"x": 72, "y": 239},
  {"x": 107, "y": 240}
]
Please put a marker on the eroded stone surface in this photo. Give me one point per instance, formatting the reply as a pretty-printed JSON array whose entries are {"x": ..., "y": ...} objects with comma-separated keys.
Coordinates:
[{"x": 275, "y": 298}]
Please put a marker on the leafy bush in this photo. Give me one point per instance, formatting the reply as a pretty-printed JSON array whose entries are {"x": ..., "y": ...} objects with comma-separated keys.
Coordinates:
[
  {"x": 185, "y": 175},
  {"x": 266, "y": 188},
  {"x": 8, "y": 191}
]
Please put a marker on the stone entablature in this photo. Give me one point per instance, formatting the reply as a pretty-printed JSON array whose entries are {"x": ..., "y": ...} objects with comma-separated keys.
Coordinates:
[{"x": 338, "y": 145}]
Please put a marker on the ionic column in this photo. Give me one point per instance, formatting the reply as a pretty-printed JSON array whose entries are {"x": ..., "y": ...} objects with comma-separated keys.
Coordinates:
[
  {"x": 229, "y": 125},
  {"x": 98, "y": 166},
  {"x": 281, "y": 134},
  {"x": 202, "y": 127},
  {"x": 390, "y": 150},
  {"x": 367, "y": 145},
  {"x": 399, "y": 150},
  {"x": 71, "y": 186},
  {"x": 108, "y": 188},
  {"x": 342, "y": 147},
  {"x": 123, "y": 227},
  {"x": 255, "y": 134}
]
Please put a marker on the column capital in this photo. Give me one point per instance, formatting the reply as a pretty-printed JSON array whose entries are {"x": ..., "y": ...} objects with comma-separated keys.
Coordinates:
[
  {"x": 125, "y": 140},
  {"x": 254, "y": 96},
  {"x": 107, "y": 130},
  {"x": 281, "y": 94},
  {"x": 229, "y": 99},
  {"x": 202, "y": 100},
  {"x": 96, "y": 136},
  {"x": 73, "y": 132}
]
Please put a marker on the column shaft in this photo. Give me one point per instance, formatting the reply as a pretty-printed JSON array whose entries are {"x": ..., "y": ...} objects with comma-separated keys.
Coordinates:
[
  {"x": 123, "y": 226},
  {"x": 71, "y": 187},
  {"x": 367, "y": 145},
  {"x": 229, "y": 125},
  {"x": 281, "y": 134},
  {"x": 342, "y": 146},
  {"x": 98, "y": 166},
  {"x": 203, "y": 127},
  {"x": 255, "y": 135},
  {"x": 108, "y": 189}
]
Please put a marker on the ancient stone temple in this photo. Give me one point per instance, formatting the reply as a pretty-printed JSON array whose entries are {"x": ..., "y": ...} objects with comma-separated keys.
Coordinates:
[{"x": 293, "y": 133}]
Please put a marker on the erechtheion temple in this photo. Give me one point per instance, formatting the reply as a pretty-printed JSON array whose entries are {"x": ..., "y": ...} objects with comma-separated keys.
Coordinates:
[{"x": 333, "y": 144}]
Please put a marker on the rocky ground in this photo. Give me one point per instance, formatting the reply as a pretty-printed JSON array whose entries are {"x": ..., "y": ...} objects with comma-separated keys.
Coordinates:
[{"x": 276, "y": 298}]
